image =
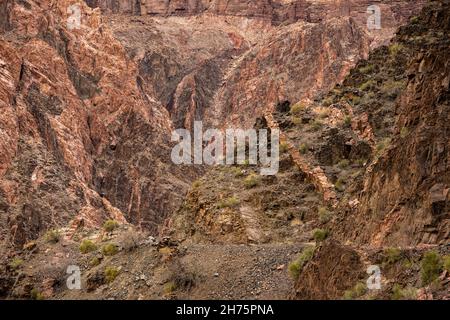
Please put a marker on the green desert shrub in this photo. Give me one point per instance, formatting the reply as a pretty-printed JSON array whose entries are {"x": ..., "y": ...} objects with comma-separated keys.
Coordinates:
[
  {"x": 296, "y": 266},
  {"x": 391, "y": 256},
  {"x": 170, "y": 287},
  {"x": 367, "y": 69},
  {"x": 347, "y": 121},
  {"x": 87, "y": 246},
  {"x": 284, "y": 147},
  {"x": 110, "y": 225},
  {"x": 237, "y": 172},
  {"x": 340, "y": 184},
  {"x": 52, "y": 236},
  {"x": 111, "y": 274},
  {"x": 228, "y": 203},
  {"x": 392, "y": 88},
  {"x": 324, "y": 215},
  {"x": 404, "y": 132},
  {"x": 328, "y": 101},
  {"x": 395, "y": 49},
  {"x": 297, "y": 108},
  {"x": 447, "y": 263},
  {"x": 414, "y": 19},
  {"x": 251, "y": 181},
  {"x": 316, "y": 125},
  {"x": 431, "y": 266},
  {"x": 320, "y": 235},
  {"x": 35, "y": 294},
  {"x": 15, "y": 263},
  {"x": 196, "y": 184},
  {"x": 303, "y": 148},
  {"x": 344, "y": 163},
  {"x": 110, "y": 249},
  {"x": 296, "y": 120},
  {"x": 399, "y": 293},
  {"x": 383, "y": 144},
  {"x": 357, "y": 291},
  {"x": 95, "y": 261},
  {"x": 367, "y": 85}
]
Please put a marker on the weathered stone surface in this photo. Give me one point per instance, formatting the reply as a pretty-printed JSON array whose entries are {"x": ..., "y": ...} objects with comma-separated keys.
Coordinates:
[
  {"x": 69, "y": 97},
  {"x": 404, "y": 195}
]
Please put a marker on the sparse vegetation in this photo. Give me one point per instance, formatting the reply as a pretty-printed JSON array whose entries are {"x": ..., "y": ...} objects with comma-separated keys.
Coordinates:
[
  {"x": 95, "y": 261},
  {"x": 228, "y": 203},
  {"x": 391, "y": 256},
  {"x": 324, "y": 215},
  {"x": 284, "y": 147},
  {"x": 328, "y": 101},
  {"x": 237, "y": 172},
  {"x": 447, "y": 263},
  {"x": 431, "y": 267},
  {"x": 320, "y": 235},
  {"x": 316, "y": 125},
  {"x": 297, "y": 108},
  {"x": 367, "y": 69},
  {"x": 110, "y": 225},
  {"x": 340, "y": 184},
  {"x": 196, "y": 184},
  {"x": 404, "y": 132},
  {"x": 251, "y": 181},
  {"x": 361, "y": 162},
  {"x": 399, "y": 293},
  {"x": 382, "y": 145},
  {"x": 110, "y": 249},
  {"x": 52, "y": 236},
  {"x": 414, "y": 19},
  {"x": 367, "y": 85},
  {"x": 347, "y": 121},
  {"x": 344, "y": 163},
  {"x": 392, "y": 88},
  {"x": 296, "y": 120},
  {"x": 170, "y": 287},
  {"x": 16, "y": 263},
  {"x": 87, "y": 246},
  {"x": 35, "y": 294},
  {"x": 29, "y": 246},
  {"x": 303, "y": 149},
  {"x": 111, "y": 274},
  {"x": 355, "y": 100},
  {"x": 296, "y": 267},
  {"x": 356, "y": 292},
  {"x": 395, "y": 49}
]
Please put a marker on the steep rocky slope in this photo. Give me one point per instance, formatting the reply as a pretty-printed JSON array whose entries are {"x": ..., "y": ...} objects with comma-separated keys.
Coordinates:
[
  {"x": 86, "y": 120},
  {"x": 395, "y": 210},
  {"x": 72, "y": 143}
]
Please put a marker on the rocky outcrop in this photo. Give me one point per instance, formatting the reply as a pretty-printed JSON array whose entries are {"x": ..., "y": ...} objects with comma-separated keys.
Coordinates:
[
  {"x": 78, "y": 133},
  {"x": 277, "y": 11},
  {"x": 296, "y": 62},
  {"x": 404, "y": 198}
]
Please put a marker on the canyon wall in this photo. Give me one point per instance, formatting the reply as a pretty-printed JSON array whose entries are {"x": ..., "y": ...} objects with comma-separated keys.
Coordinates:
[
  {"x": 79, "y": 136},
  {"x": 88, "y": 111}
]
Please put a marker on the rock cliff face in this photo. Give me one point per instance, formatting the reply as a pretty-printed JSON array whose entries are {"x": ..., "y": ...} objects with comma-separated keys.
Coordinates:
[
  {"x": 74, "y": 114},
  {"x": 396, "y": 209},
  {"x": 86, "y": 115},
  {"x": 404, "y": 198}
]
